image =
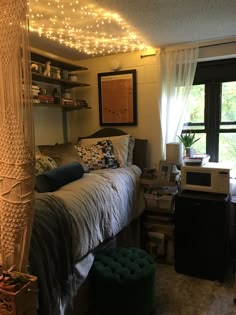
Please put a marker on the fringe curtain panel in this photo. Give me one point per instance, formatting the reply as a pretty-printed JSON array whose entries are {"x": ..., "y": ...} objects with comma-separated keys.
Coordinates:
[
  {"x": 16, "y": 135},
  {"x": 178, "y": 68}
]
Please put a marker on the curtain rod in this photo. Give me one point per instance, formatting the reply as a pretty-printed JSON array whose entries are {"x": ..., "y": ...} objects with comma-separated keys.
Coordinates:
[
  {"x": 202, "y": 46},
  {"x": 218, "y": 44},
  {"x": 149, "y": 55}
]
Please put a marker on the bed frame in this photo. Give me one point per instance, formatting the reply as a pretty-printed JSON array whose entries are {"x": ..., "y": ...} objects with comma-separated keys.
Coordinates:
[{"x": 140, "y": 149}]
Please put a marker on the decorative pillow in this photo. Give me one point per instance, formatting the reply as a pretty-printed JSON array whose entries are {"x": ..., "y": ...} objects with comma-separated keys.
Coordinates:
[
  {"x": 63, "y": 154},
  {"x": 54, "y": 179},
  {"x": 37, "y": 151},
  {"x": 99, "y": 155},
  {"x": 43, "y": 164},
  {"x": 130, "y": 150},
  {"x": 120, "y": 145}
]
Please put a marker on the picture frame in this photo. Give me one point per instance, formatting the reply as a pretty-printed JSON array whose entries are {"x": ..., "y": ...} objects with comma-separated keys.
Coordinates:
[
  {"x": 117, "y": 98},
  {"x": 165, "y": 170}
]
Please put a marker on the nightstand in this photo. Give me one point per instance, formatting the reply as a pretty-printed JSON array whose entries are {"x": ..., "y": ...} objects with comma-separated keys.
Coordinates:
[{"x": 158, "y": 217}]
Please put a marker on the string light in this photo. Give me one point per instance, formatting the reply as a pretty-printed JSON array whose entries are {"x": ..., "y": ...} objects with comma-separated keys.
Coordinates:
[{"x": 89, "y": 28}]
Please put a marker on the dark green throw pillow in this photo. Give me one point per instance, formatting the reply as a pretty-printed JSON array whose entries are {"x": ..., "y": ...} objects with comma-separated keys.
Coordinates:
[{"x": 54, "y": 179}]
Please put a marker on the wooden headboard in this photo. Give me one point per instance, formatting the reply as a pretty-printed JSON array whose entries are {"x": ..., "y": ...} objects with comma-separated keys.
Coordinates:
[{"x": 140, "y": 149}]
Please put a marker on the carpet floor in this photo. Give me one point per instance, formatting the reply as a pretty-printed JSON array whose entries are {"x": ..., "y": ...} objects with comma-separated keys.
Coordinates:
[{"x": 179, "y": 294}]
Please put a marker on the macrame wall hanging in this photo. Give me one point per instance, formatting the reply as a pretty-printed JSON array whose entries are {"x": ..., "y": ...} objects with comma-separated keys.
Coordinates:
[{"x": 16, "y": 136}]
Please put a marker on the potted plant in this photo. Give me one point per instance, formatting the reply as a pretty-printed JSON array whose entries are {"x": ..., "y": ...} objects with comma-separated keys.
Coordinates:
[
  {"x": 18, "y": 293},
  {"x": 188, "y": 139}
]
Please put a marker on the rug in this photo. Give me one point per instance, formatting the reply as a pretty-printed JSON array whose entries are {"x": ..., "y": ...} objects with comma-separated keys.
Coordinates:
[{"x": 179, "y": 294}]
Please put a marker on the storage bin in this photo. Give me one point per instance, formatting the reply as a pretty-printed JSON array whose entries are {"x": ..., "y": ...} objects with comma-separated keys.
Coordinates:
[
  {"x": 160, "y": 241},
  {"x": 159, "y": 202}
]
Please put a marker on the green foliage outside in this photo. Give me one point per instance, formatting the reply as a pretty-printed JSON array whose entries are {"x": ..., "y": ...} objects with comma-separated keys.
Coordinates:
[
  {"x": 227, "y": 141},
  {"x": 196, "y": 104},
  {"x": 196, "y": 115}
]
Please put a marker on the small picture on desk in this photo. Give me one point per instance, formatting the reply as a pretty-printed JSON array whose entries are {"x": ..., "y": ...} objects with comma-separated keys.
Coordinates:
[
  {"x": 149, "y": 173},
  {"x": 165, "y": 170}
]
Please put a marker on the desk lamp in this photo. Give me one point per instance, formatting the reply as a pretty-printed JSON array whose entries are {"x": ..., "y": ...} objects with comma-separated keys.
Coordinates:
[{"x": 174, "y": 155}]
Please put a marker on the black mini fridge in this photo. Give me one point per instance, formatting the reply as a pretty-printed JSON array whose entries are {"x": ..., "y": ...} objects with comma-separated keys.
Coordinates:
[{"x": 201, "y": 233}]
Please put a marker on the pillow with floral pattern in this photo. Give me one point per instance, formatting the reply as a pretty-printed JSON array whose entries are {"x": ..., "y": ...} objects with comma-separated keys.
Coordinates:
[{"x": 43, "y": 164}]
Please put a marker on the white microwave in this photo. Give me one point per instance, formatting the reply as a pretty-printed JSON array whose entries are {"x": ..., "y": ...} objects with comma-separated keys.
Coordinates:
[{"x": 212, "y": 178}]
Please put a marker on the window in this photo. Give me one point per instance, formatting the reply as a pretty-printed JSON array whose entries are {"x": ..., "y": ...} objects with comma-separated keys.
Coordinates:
[{"x": 212, "y": 110}]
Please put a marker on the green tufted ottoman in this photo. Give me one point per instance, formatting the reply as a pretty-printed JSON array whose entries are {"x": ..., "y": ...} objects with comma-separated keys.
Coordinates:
[{"x": 123, "y": 282}]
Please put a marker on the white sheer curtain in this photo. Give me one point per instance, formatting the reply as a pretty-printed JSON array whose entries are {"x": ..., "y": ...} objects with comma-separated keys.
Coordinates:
[{"x": 177, "y": 73}]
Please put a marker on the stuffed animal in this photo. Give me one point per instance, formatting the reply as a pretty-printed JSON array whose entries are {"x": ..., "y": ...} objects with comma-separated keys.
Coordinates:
[
  {"x": 58, "y": 74},
  {"x": 34, "y": 67},
  {"x": 47, "y": 70}
]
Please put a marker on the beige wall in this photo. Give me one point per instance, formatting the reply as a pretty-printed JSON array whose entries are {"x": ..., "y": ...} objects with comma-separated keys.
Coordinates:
[
  {"x": 48, "y": 125},
  {"x": 82, "y": 123},
  {"x": 48, "y": 121}
]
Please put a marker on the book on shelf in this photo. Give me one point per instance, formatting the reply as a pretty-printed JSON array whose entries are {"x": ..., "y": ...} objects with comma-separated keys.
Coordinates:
[
  {"x": 197, "y": 159},
  {"x": 46, "y": 99}
]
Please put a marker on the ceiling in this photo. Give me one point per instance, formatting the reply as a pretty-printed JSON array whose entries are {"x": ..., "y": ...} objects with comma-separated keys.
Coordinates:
[{"x": 83, "y": 29}]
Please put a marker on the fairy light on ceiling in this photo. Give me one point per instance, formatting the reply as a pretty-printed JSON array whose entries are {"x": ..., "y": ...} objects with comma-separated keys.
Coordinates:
[{"x": 83, "y": 25}]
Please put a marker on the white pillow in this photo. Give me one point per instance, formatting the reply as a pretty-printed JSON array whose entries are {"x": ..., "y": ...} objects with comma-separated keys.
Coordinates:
[{"x": 120, "y": 146}]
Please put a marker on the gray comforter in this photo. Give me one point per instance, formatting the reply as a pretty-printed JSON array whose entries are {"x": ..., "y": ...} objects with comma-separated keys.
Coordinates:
[
  {"x": 71, "y": 222},
  {"x": 51, "y": 254}
]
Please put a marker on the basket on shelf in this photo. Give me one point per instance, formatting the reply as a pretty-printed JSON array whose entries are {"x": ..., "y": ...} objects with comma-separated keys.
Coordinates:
[{"x": 155, "y": 198}]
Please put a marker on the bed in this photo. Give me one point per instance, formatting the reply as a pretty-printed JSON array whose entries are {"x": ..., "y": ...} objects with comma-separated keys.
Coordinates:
[{"x": 80, "y": 216}]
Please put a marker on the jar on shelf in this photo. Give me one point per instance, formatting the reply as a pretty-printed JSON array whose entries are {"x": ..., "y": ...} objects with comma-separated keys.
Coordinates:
[
  {"x": 65, "y": 75},
  {"x": 73, "y": 77}
]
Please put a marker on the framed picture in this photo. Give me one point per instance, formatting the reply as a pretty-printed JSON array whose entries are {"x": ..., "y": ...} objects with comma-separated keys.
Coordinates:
[
  {"x": 117, "y": 98},
  {"x": 165, "y": 170}
]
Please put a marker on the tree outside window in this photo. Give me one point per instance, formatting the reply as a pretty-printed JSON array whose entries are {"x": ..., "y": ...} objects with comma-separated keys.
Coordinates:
[{"x": 212, "y": 110}]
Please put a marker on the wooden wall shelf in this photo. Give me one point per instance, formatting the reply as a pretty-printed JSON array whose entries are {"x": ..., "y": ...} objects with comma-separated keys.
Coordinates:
[
  {"x": 37, "y": 58},
  {"x": 50, "y": 80},
  {"x": 66, "y": 108},
  {"x": 63, "y": 84}
]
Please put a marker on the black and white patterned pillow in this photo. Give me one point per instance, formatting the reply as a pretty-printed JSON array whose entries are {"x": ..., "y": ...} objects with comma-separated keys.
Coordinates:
[{"x": 99, "y": 155}]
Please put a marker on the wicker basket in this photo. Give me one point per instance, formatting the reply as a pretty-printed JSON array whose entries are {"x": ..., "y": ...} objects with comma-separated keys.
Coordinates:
[
  {"x": 162, "y": 203},
  {"x": 22, "y": 302}
]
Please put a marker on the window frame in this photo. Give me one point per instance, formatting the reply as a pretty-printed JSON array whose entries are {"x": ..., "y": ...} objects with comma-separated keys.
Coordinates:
[{"x": 212, "y": 74}]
